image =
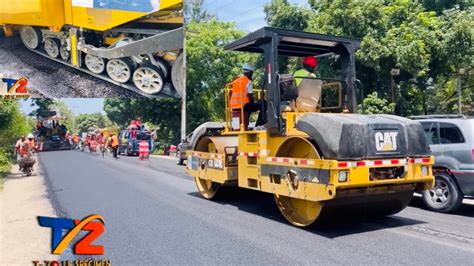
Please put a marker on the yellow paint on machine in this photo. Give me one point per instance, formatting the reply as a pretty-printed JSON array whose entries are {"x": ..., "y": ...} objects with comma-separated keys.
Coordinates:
[{"x": 54, "y": 14}]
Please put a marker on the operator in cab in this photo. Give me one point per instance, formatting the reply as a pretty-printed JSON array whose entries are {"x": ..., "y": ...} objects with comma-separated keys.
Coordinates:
[
  {"x": 242, "y": 95},
  {"x": 309, "y": 66},
  {"x": 309, "y": 87}
]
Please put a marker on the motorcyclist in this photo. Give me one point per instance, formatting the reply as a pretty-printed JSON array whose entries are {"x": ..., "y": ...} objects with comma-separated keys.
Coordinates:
[
  {"x": 32, "y": 142},
  {"x": 25, "y": 153},
  {"x": 18, "y": 145}
]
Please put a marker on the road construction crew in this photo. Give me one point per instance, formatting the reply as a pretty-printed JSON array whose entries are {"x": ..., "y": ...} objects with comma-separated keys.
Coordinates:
[
  {"x": 75, "y": 141},
  {"x": 242, "y": 95},
  {"x": 32, "y": 142},
  {"x": 309, "y": 65},
  {"x": 114, "y": 143},
  {"x": 18, "y": 145}
]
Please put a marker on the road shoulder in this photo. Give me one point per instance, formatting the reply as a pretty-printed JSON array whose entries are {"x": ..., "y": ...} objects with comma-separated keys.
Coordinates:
[{"x": 22, "y": 199}]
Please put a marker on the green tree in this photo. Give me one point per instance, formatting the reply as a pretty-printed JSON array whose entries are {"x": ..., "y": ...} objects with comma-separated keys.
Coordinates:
[
  {"x": 209, "y": 68},
  {"x": 13, "y": 124},
  {"x": 194, "y": 11},
  {"x": 91, "y": 122},
  {"x": 429, "y": 41},
  {"x": 281, "y": 14},
  {"x": 164, "y": 113},
  {"x": 372, "y": 104}
]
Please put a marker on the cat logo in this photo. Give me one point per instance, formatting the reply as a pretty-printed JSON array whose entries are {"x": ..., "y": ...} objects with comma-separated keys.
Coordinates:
[{"x": 386, "y": 141}]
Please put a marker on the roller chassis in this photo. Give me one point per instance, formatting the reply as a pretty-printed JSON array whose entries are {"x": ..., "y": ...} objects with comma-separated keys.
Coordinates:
[{"x": 255, "y": 164}]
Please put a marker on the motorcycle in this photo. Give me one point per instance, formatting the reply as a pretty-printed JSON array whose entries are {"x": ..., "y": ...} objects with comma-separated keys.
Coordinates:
[{"x": 26, "y": 165}]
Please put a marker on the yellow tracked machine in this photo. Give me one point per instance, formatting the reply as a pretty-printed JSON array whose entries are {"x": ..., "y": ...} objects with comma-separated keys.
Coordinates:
[
  {"x": 315, "y": 157},
  {"x": 135, "y": 44}
]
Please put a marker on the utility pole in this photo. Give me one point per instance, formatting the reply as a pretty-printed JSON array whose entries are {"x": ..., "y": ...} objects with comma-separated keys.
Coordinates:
[
  {"x": 460, "y": 73},
  {"x": 183, "y": 100},
  {"x": 393, "y": 72}
]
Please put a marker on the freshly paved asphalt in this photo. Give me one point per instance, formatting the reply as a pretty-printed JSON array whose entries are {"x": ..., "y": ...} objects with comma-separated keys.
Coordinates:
[
  {"x": 47, "y": 78},
  {"x": 153, "y": 214}
]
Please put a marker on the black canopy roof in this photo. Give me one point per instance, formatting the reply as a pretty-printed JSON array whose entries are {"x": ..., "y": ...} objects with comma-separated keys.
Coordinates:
[{"x": 292, "y": 43}]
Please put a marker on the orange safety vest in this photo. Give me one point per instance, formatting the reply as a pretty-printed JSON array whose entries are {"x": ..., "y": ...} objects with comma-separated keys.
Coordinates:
[
  {"x": 114, "y": 140},
  {"x": 239, "y": 93},
  {"x": 25, "y": 148}
]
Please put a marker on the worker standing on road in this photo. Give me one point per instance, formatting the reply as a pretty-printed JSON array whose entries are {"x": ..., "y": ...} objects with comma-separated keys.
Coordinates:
[
  {"x": 242, "y": 95},
  {"x": 309, "y": 65},
  {"x": 132, "y": 138},
  {"x": 114, "y": 143},
  {"x": 75, "y": 141}
]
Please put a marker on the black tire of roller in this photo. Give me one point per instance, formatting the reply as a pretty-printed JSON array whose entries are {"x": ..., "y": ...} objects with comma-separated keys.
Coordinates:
[{"x": 165, "y": 68}]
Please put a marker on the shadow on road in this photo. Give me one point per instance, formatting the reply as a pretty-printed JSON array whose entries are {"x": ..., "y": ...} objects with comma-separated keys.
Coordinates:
[
  {"x": 466, "y": 210},
  {"x": 263, "y": 204}
]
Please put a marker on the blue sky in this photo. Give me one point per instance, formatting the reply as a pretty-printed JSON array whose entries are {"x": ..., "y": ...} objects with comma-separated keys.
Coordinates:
[
  {"x": 248, "y": 14},
  {"x": 77, "y": 105}
]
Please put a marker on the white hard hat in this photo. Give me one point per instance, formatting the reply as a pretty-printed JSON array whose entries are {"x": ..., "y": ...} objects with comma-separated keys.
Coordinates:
[
  {"x": 248, "y": 67},
  {"x": 30, "y": 136}
]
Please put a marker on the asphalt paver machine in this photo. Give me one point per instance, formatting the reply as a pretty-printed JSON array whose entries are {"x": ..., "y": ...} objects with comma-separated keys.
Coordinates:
[
  {"x": 135, "y": 44},
  {"x": 316, "y": 158}
]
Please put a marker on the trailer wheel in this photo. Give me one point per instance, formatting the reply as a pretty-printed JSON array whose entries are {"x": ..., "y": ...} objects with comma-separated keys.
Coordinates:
[
  {"x": 30, "y": 37},
  {"x": 52, "y": 47},
  {"x": 120, "y": 70},
  {"x": 149, "y": 79},
  {"x": 94, "y": 63}
]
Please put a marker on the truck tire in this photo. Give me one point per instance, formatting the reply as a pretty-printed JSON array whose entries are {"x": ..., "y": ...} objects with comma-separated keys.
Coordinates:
[{"x": 445, "y": 196}]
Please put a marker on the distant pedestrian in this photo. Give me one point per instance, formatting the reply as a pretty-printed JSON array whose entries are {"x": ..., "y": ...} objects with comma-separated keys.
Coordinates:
[{"x": 114, "y": 143}]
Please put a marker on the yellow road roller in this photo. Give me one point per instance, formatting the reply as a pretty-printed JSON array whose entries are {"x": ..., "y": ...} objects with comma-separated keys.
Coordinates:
[
  {"x": 315, "y": 154},
  {"x": 135, "y": 44}
]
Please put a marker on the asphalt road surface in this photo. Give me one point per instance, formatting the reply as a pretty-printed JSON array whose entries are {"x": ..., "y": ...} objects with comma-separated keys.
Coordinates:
[
  {"x": 153, "y": 213},
  {"x": 47, "y": 78}
]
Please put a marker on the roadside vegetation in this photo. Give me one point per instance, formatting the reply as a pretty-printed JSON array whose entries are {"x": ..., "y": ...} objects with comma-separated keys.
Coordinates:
[{"x": 13, "y": 124}]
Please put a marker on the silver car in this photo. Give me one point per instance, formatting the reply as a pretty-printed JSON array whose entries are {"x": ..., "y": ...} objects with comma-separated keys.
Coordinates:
[{"x": 451, "y": 139}]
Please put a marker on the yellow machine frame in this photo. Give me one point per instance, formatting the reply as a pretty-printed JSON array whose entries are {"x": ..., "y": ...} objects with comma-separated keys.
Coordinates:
[
  {"x": 258, "y": 149},
  {"x": 57, "y": 13}
]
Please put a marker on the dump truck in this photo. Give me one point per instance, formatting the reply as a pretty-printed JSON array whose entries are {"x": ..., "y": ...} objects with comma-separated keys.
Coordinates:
[
  {"x": 136, "y": 44},
  {"x": 317, "y": 158},
  {"x": 51, "y": 132}
]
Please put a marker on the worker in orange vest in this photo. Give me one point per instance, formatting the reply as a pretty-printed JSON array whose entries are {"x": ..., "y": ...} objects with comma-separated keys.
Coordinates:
[
  {"x": 242, "y": 95},
  {"x": 114, "y": 143}
]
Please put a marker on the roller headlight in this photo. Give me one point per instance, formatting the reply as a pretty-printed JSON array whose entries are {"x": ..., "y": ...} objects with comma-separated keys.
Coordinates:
[
  {"x": 342, "y": 176},
  {"x": 424, "y": 170}
]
